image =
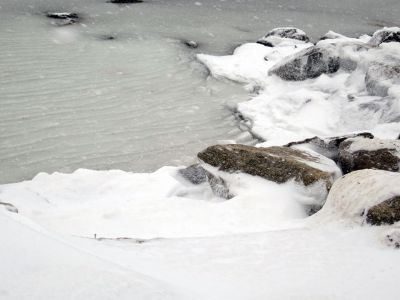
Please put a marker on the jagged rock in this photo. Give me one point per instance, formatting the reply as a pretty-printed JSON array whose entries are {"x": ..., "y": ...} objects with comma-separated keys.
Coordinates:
[
  {"x": 218, "y": 186},
  {"x": 365, "y": 196},
  {"x": 278, "y": 164},
  {"x": 9, "y": 207},
  {"x": 362, "y": 153},
  {"x": 283, "y": 32},
  {"x": 196, "y": 174},
  {"x": 309, "y": 63},
  {"x": 380, "y": 77},
  {"x": 63, "y": 18},
  {"x": 385, "y": 35},
  {"x": 386, "y": 212},
  {"x": 328, "y": 147}
]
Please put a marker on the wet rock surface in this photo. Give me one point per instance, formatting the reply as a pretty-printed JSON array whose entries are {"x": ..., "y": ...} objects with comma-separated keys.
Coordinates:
[
  {"x": 284, "y": 32},
  {"x": 196, "y": 174},
  {"x": 385, "y": 35}
]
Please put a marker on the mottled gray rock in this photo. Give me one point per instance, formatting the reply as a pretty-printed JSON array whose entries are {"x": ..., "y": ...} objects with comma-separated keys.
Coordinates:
[
  {"x": 361, "y": 153},
  {"x": 380, "y": 77},
  {"x": 309, "y": 63},
  {"x": 385, "y": 35},
  {"x": 284, "y": 32},
  {"x": 219, "y": 186},
  {"x": 196, "y": 174},
  {"x": 278, "y": 164}
]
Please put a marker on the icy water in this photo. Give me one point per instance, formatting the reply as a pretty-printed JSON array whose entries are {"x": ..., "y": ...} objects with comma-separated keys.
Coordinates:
[{"x": 122, "y": 90}]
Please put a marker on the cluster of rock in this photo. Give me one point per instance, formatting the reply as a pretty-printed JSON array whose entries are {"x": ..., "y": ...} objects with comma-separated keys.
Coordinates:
[{"x": 369, "y": 163}]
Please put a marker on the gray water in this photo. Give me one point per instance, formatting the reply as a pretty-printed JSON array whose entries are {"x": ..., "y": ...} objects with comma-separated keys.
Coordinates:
[{"x": 71, "y": 98}]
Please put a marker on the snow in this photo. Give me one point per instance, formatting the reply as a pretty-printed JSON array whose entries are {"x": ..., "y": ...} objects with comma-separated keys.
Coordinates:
[
  {"x": 338, "y": 103},
  {"x": 356, "y": 192}
]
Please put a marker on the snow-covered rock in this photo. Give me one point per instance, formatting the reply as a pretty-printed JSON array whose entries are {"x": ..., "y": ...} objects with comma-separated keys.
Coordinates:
[
  {"x": 385, "y": 35},
  {"x": 277, "y": 164},
  {"x": 355, "y": 194},
  {"x": 309, "y": 63},
  {"x": 364, "y": 153},
  {"x": 273, "y": 37},
  {"x": 380, "y": 77}
]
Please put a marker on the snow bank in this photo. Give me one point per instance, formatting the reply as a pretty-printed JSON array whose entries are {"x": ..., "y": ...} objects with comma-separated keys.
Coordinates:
[{"x": 330, "y": 105}]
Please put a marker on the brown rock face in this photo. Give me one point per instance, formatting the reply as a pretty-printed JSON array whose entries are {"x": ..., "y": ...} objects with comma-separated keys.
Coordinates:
[
  {"x": 386, "y": 212},
  {"x": 278, "y": 164},
  {"x": 383, "y": 159}
]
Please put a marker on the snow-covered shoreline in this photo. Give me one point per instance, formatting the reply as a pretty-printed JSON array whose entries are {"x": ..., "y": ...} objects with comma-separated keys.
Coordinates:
[{"x": 115, "y": 234}]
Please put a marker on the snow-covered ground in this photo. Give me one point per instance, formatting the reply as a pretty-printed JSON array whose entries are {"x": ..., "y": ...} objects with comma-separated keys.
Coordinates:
[{"x": 121, "y": 235}]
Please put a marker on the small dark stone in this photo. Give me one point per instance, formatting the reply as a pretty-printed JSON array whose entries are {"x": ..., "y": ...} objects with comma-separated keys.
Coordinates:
[
  {"x": 385, "y": 213},
  {"x": 125, "y": 1},
  {"x": 191, "y": 44},
  {"x": 196, "y": 174},
  {"x": 62, "y": 16}
]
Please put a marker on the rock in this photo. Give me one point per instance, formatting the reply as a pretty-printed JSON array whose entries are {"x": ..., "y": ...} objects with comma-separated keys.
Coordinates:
[
  {"x": 370, "y": 196},
  {"x": 385, "y": 35},
  {"x": 194, "y": 173},
  {"x": 219, "y": 186},
  {"x": 386, "y": 212},
  {"x": 362, "y": 153},
  {"x": 283, "y": 32},
  {"x": 308, "y": 63},
  {"x": 277, "y": 164},
  {"x": 191, "y": 44},
  {"x": 328, "y": 147},
  {"x": 380, "y": 77},
  {"x": 63, "y": 18},
  {"x": 125, "y": 1},
  {"x": 9, "y": 207},
  {"x": 331, "y": 35}
]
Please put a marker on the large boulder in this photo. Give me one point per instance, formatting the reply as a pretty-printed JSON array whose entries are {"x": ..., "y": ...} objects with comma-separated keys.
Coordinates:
[
  {"x": 277, "y": 164},
  {"x": 284, "y": 33},
  {"x": 385, "y": 35},
  {"x": 363, "y": 153},
  {"x": 308, "y": 63},
  {"x": 371, "y": 196},
  {"x": 380, "y": 77}
]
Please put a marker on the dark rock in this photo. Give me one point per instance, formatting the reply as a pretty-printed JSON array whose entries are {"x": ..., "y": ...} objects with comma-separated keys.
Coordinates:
[
  {"x": 360, "y": 153},
  {"x": 385, "y": 35},
  {"x": 63, "y": 18},
  {"x": 107, "y": 37},
  {"x": 191, "y": 44},
  {"x": 385, "y": 213},
  {"x": 278, "y": 164},
  {"x": 380, "y": 77},
  {"x": 196, "y": 174},
  {"x": 125, "y": 1},
  {"x": 285, "y": 32},
  {"x": 328, "y": 147},
  {"x": 392, "y": 239},
  {"x": 309, "y": 63}
]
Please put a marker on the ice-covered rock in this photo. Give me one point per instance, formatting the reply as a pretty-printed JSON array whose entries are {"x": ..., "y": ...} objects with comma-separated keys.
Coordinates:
[
  {"x": 363, "y": 153},
  {"x": 365, "y": 196},
  {"x": 328, "y": 147},
  {"x": 277, "y": 164},
  {"x": 380, "y": 77},
  {"x": 309, "y": 63},
  {"x": 285, "y": 33},
  {"x": 385, "y": 35},
  {"x": 63, "y": 18}
]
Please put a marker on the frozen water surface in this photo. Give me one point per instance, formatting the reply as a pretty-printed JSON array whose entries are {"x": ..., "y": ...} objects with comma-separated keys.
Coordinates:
[{"x": 121, "y": 90}]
